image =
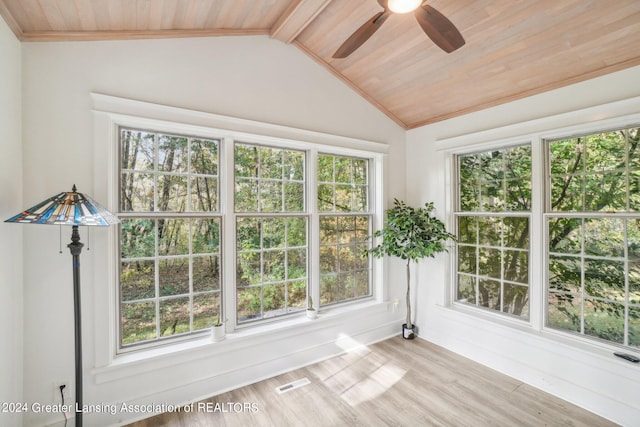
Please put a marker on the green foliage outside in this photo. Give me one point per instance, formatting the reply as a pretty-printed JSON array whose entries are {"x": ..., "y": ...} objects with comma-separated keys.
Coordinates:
[{"x": 594, "y": 253}]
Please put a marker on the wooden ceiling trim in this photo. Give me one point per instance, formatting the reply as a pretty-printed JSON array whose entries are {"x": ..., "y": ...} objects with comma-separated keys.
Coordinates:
[
  {"x": 10, "y": 20},
  {"x": 352, "y": 85},
  {"x": 56, "y": 36},
  {"x": 296, "y": 18}
]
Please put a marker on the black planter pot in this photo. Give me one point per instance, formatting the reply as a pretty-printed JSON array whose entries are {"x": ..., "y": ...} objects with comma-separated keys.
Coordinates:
[{"x": 408, "y": 333}]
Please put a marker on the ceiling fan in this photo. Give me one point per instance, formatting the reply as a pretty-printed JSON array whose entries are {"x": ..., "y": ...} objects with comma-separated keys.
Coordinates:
[{"x": 439, "y": 29}]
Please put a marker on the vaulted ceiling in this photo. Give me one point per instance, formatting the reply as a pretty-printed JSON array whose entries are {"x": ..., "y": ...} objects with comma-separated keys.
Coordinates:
[{"x": 514, "y": 48}]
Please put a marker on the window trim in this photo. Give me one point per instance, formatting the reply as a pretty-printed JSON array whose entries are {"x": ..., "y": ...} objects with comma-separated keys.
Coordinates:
[{"x": 111, "y": 113}]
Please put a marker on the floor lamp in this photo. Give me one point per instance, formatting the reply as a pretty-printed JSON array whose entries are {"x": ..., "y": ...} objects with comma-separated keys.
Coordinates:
[{"x": 74, "y": 209}]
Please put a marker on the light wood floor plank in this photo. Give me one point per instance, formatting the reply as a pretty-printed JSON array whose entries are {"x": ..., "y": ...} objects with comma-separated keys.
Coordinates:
[{"x": 391, "y": 383}]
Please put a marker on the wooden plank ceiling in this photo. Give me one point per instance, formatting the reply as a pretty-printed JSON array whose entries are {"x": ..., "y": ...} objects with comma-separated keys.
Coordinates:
[{"x": 514, "y": 48}]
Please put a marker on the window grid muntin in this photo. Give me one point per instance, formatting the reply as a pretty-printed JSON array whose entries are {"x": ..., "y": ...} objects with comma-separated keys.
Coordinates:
[
  {"x": 626, "y": 215},
  {"x": 225, "y": 168},
  {"x": 357, "y": 183},
  {"x": 156, "y": 172},
  {"x": 286, "y": 280},
  {"x": 157, "y": 215},
  {"x": 260, "y": 180},
  {"x": 480, "y": 211}
]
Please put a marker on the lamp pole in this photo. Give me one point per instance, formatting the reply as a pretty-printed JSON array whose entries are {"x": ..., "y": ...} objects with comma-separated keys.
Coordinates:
[{"x": 76, "y": 248}]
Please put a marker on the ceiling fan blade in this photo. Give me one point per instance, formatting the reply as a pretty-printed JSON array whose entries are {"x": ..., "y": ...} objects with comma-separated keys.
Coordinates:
[
  {"x": 439, "y": 29},
  {"x": 362, "y": 34}
]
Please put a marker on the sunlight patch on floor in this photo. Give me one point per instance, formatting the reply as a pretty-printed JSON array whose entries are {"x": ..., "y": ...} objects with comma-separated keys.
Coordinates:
[{"x": 360, "y": 374}]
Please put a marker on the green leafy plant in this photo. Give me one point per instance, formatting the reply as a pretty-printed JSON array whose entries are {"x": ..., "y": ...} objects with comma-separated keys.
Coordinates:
[{"x": 411, "y": 234}]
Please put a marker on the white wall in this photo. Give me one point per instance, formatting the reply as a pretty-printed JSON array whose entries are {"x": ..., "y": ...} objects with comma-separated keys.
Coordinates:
[
  {"x": 10, "y": 234},
  {"x": 248, "y": 77},
  {"x": 579, "y": 372}
]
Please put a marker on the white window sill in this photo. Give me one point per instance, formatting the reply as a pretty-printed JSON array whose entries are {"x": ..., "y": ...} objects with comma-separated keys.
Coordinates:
[{"x": 138, "y": 362}]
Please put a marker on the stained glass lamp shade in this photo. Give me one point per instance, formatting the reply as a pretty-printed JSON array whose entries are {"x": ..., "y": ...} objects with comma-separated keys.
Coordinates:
[
  {"x": 67, "y": 208},
  {"x": 74, "y": 209}
]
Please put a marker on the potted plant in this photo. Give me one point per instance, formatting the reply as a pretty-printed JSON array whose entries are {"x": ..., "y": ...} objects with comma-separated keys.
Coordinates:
[
  {"x": 217, "y": 330},
  {"x": 410, "y": 234},
  {"x": 311, "y": 312}
]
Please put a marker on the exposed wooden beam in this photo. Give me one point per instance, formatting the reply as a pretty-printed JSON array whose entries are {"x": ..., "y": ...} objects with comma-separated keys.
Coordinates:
[
  {"x": 44, "y": 36},
  {"x": 296, "y": 18}
]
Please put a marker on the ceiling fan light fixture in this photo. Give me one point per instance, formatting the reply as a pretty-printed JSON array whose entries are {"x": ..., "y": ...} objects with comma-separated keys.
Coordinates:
[{"x": 403, "y": 6}]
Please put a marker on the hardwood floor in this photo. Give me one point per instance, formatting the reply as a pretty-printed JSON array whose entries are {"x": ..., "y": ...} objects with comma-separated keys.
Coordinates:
[{"x": 391, "y": 383}]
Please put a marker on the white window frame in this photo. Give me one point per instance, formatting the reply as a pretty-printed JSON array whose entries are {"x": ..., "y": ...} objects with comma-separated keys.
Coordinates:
[
  {"x": 112, "y": 113},
  {"x": 616, "y": 115}
]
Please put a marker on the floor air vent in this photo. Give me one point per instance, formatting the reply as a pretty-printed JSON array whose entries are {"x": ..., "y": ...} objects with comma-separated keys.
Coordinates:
[{"x": 293, "y": 385}]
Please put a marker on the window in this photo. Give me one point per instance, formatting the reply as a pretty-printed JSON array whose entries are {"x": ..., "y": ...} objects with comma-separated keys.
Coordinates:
[
  {"x": 493, "y": 230},
  {"x": 593, "y": 223},
  {"x": 345, "y": 224},
  {"x": 169, "y": 235},
  {"x": 193, "y": 208},
  {"x": 589, "y": 233},
  {"x": 271, "y": 252}
]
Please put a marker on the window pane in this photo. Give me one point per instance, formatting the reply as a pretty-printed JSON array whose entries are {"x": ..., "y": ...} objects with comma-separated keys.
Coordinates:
[
  {"x": 606, "y": 151},
  {"x": 594, "y": 173},
  {"x": 173, "y": 237},
  {"x": 174, "y": 276},
  {"x": 271, "y": 263},
  {"x": 134, "y": 192},
  {"x": 489, "y": 294},
  {"x": 604, "y": 237},
  {"x": 565, "y": 311},
  {"x": 268, "y": 179},
  {"x": 249, "y": 303},
  {"x": 493, "y": 251},
  {"x": 565, "y": 235},
  {"x": 204, "y": 157},
  {"x": 605, "y": 279},
  {"x": 467, "y": 259},
  {"x": 137, "y": 150},
  {"x": 567, "y": 193},
  {"x": 137, "y": 238},
  {"x": 516, "y": 300},
  {"x": 172, "y": 193},
  {"x": 565, "y": 274},
  {"x": 606, "y": 192},
  {"x": 516, "y": 266},
  {"x": 137, "y": 280},
  {"x": 516, "y": 232},
  {"x": 604, "y": 320},
  {"x": 205, "y": 308},
  {"x": 344, "y": 262},
  {"x": 467, "y": 229},
  {"x": 174, "y": 316},
  {"x": 466, "y": 289},
  {"x": 171, "y": 256},
  {"x": 172, "y": 154},
  {"x": 204, "y": 194},
  {"x": 246, "y": 161},
  {"x": 138, "y": 322},
  {"x": 271, "y": 196},
  {"x": 271, "y": 162},
  {"x": 205, "y": 235},
  {"x": 343, "y": 184},
  {"x": 206, "y": 273},
  {"x": 246, "y": 196}
]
